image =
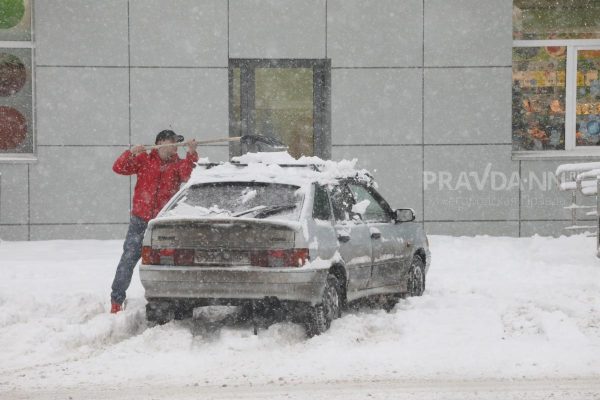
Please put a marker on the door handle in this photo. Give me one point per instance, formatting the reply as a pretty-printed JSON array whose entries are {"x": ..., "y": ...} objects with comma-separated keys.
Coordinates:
[
  {"x": 375, "y": 235},
  {"x": 343, "y": 237}
]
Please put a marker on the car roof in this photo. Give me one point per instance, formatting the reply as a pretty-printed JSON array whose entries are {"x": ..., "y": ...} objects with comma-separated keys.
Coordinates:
[{"x": 305, "y": 171}]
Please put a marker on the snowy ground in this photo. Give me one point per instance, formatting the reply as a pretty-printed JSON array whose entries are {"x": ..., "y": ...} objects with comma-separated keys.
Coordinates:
[{"x": 516, "y": 312}]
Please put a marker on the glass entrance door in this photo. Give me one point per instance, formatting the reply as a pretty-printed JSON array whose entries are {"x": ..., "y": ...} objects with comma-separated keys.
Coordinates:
[
  {"x": 587, "y": 97},
  {"x": 284, "y": 107},
  {"x": 284, "y": 99}
]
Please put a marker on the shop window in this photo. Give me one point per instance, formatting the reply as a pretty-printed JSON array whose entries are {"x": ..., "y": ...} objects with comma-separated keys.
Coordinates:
[
  {"x": 538, "y": 117},
  {"x": 284, "y": 99},
  {"x": 587, "y": 99},
  {"x": 16, "y": 80},
  {"x": 565, "y": 19},
  {"x": 556, "y": 85}
]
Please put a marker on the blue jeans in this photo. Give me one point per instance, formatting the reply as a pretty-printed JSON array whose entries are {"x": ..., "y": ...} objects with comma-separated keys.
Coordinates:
[{"x": 132, "y": 251}]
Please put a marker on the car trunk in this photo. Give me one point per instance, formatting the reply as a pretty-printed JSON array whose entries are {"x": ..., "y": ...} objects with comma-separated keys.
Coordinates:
[{"x": 222, "y": 242}]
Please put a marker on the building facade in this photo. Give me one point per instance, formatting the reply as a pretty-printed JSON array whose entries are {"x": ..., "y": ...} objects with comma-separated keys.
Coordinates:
[{"x": 427, "y": 94}]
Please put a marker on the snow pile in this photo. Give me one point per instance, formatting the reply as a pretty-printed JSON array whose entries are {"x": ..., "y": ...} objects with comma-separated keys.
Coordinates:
[
  {"x": 361, "y": 207},
  {"x": 267, "y": 167},
  {"x": 277, "y": 157},
  {"x": 493, "y": 308}
]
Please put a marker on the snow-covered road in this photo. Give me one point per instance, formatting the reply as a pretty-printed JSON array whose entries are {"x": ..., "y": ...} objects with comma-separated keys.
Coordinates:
[
  {"x": 538, "y": 389},
  {"x": 495, "y": 308}
]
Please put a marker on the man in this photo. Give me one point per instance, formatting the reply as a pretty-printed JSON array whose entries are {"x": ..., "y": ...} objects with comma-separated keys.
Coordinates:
[{"x": 159, "y": 176}]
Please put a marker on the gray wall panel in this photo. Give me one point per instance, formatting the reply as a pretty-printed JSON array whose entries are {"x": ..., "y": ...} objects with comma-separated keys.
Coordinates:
[
  {"x": 375, "y": 33},
  {"x": 192, "y": 34},
  {"x": 376, "y": 106},
  {"x": 214, "y": 153},
  {"x": 82, "y": 106},
  {"x": 470, "y": 183},
  {"x": 468, "y": 32},
  {"x": 193, "y": 102},
  {"x": 79, "y": 232},
  {"x": 467, "y": 228},
  {"x": 13, "y": 194},
  {"x": 14, "y": 232},
  {"x": 376, "y": 48},
  {"x": 397, "y": 171},
  {"x": 75, "y": 32},
  {"x": 277, "y": 28},
  {"x": 468, "y": 105},
  {"x": 78, "y": 185}
]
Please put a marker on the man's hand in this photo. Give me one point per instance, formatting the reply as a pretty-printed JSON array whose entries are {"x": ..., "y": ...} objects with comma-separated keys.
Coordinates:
[
  {"x": 135, "y": 150},
  {"x": 192, "y": 144}
]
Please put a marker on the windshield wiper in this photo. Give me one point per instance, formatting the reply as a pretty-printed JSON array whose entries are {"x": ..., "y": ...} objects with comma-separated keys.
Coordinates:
[{"x": 274, "y": 210}]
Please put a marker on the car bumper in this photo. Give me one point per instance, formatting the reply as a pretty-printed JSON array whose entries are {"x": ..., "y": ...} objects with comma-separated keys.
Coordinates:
[{"x": 244, "y": 283}]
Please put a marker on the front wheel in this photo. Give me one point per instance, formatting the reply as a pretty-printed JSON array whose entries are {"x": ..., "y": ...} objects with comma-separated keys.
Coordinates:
[
  {"x": 416, "y": 277},
  {"x": 320, "y": 316}
]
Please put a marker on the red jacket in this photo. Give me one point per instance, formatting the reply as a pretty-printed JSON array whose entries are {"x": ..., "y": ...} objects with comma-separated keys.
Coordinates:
[{"x": 157, "y": 180}]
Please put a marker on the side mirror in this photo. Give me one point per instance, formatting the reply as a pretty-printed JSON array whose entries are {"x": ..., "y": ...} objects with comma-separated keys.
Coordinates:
[{"x": 404, "y": 215}]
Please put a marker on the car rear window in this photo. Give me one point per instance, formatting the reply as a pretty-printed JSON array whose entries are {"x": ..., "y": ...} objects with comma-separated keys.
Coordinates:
[{"x": 239, "y": 199}]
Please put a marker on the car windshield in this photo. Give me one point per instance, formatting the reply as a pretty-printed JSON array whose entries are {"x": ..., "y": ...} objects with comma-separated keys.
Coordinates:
[{"x": 239, "y": 199}]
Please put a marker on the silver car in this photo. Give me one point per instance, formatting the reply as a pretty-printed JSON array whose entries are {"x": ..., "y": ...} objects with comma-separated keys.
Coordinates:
[{"x": 303, "y": 238}]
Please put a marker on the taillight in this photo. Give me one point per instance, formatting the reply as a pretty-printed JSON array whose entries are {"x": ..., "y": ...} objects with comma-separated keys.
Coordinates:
[
  {"x": 152, "y": 256},
  {"x": 279, "y": 258}
]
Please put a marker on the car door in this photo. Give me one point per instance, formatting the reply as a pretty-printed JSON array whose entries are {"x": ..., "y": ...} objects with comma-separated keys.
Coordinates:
[
  {"x": 386, "y": 244},
  {"x": 354, "y": 239}
]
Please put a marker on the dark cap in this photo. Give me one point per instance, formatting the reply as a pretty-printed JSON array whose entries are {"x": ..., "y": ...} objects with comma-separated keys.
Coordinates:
[{"x": 168, "y": 134}]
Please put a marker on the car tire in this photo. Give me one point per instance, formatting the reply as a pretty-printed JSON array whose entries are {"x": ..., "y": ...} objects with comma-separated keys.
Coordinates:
[
  {"x": 320, "y": 316},
  {"x": 159, "y": 312},
  {"x": 416, "y": 277},
  {"x": 183, "y": 311},
  {"x": 390, "y": 302}
]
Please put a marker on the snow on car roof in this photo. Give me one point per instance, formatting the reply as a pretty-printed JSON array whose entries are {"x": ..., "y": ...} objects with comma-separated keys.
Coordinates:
[{"x": 277, "y": 167}]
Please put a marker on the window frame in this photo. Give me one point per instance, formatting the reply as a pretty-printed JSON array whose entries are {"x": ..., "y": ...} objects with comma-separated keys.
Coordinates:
[
  {"x": 321, "y": 98},
  {"x": 571, "y": 149},
  {"x": 323, "y": 189}
]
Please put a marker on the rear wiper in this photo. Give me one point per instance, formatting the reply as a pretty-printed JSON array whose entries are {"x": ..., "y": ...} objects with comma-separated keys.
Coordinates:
[
  {"x": 274, "y": 209},
  {"x": 248, "y": 211}
]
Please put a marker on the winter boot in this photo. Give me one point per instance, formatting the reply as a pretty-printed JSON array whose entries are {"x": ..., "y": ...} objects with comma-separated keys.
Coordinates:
[{"x": 115, "y": 307}]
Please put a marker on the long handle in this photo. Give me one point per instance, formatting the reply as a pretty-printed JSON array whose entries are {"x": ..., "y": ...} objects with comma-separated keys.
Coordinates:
[{"x": 229, "y": 139}]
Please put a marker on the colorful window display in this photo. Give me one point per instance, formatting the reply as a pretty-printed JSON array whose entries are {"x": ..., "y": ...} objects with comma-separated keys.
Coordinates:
[
  {"x": 538, "y": 114},
  {"x": 587, "y": 108},
  {"x": 15, "y": 20},
  {"x": 15, "y": 101},
  {"x": 16, "y": 111}
]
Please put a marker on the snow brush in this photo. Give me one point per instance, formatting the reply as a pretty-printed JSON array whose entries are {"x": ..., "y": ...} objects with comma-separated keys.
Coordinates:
[{"x": 229, "y": 139}]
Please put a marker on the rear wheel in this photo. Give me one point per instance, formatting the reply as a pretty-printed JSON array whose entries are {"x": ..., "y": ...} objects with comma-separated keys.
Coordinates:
[
  {"x": 416, "y": 277},
  {"x": 183, "y": 310},
  {"x": 320, "y": 316},
  {"x": 159, "y": 312}
]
